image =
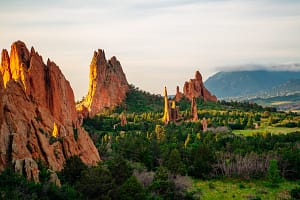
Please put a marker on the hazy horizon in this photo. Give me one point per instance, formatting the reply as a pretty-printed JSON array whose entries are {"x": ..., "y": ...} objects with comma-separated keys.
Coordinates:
[{"x": 160, "y": 42}]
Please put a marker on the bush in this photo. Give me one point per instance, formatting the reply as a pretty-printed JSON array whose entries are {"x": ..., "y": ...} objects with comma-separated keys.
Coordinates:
[
  {"x": 72, "y": 170},
  {"x": 119, "y": 168},
  {"x": 174, "y": 163},
  {"x": 95, "y": 183},
  {"x": 273, "y": 174},
  {"x": 162, "y": 185},
  {"x": 295, "y": 193},
  {"x": 131, "y": 190}
]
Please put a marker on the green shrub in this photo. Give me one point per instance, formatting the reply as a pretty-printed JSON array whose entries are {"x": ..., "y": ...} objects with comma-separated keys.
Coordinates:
[
  {"x": 295, "y": 193},
  {"x": 72, "y": 170},
  {"x": 95, "y": 183},
  {"x": 132, "y": 190}
]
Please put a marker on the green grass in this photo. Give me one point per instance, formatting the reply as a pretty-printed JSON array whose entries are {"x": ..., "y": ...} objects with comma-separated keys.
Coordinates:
[
  {"x": 272, "y": 130},
  {"x": 238, "y": 189}
]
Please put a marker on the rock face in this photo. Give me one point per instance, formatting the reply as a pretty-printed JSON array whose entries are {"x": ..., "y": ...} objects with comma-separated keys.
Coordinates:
[
  {"x": 27, "y": 167},
  {"x": 195, "y": 88},
  {"x": 108, "y": 85},
  {"x": 35, "y": 99}
]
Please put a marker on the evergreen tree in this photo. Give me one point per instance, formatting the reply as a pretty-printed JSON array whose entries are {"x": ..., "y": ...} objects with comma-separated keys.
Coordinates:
[
  {"x": 132, "y": 190},
  {"x": 273, "y": 173},
  {"x": 174, "y": 163}
]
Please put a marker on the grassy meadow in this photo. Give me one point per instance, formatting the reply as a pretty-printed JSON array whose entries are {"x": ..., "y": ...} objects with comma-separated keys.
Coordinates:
[
  {"x": 242, "y": 189},
  {"x": 265, "y": 130}
]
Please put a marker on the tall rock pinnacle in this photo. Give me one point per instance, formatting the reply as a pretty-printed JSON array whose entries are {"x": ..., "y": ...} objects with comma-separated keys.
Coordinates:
[
  {"x": 107, "y": 86},
  {"x": 166, "y": 117},
  {"x": 194, "y": 110}
]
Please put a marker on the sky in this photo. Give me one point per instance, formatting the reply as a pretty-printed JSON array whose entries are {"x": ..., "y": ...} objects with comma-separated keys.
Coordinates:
[{"x": 158, "y": 42}]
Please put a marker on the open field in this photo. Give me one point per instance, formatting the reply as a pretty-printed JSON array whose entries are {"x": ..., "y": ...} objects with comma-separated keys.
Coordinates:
[
  {"x": 239, "y": 189},
  {"x": 272, "y": 130},
  {"x": 276, "y": 103}
]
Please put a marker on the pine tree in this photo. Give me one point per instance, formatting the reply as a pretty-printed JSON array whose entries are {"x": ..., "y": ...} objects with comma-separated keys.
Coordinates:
[{"x": 273, "y": 173}]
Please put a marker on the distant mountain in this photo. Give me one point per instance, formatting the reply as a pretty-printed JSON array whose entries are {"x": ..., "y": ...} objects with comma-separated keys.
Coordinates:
[
  {"x": 246, "y": 84},
  {"x": 287, "y": 88}
]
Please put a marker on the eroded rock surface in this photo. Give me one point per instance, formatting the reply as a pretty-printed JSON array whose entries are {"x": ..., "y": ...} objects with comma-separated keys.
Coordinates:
[
  {"x": 195, "y": 88},
  {"x": 108, "y": 84},
  {"x": 34, "y": 98}
]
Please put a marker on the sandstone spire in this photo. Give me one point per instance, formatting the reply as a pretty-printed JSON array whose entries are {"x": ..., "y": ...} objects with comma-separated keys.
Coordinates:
[
  {"x": 178, "y": 95},
  {"x": 5, "y": 68},
  {"x": 166, "y": 117},
  {"x": 194, "y": 110},
  {"x": 108, "y": 85},
  {"x": 204, "y": 124},
  {"x": 19, "y": 63}
]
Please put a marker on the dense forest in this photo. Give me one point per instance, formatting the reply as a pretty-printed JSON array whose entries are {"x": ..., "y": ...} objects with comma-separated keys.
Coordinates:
[{"x": 147, "y": 159}]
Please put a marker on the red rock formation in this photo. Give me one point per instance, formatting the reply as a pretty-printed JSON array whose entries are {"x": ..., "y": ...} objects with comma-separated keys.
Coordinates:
[
  {"x": 204, "y": 124},
  {"x": 35, "y": 97},
  {"x": 5, "y": 68},
  {"x": 194, "y": 110},
  {"x": 108, "y": 85},
  {"x": 195, "y": 88},
  {"x": 178, "y": 95}
]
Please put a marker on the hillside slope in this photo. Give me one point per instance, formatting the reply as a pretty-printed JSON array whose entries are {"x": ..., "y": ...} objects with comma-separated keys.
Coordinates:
[{"x": 245, "y": 83}]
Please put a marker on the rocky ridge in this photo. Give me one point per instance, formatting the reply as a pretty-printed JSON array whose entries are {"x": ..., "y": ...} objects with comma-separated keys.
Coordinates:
[{"x": 35, "y": 100}]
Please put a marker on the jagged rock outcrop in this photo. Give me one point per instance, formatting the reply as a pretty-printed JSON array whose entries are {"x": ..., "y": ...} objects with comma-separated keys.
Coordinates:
[
  {"x": 108, "y": 85},
  {"x": 35, "y": 99},
  {"x": 179, "y": 95},
  {"x": 195, "y": 88}
]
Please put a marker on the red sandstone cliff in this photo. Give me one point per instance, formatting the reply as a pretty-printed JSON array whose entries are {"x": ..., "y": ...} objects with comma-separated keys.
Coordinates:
[
  {"x": 107, "y": 87},
  {"x": 35, "y": 100},
  {"x": 195, "y": 88}
]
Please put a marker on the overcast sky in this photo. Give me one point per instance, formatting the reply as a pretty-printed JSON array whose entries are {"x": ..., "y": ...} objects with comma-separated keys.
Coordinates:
[{"x": 158, "y": 42}]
